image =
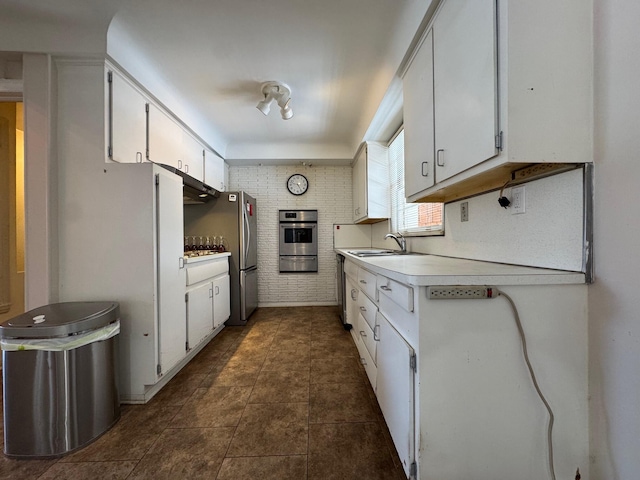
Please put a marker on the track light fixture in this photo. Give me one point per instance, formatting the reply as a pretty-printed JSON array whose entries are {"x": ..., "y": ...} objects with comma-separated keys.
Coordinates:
[{"x": 279, "y": 92}]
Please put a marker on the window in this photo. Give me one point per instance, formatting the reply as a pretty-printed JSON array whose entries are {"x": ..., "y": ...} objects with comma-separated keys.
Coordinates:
[{"x": 410, "y": 218}]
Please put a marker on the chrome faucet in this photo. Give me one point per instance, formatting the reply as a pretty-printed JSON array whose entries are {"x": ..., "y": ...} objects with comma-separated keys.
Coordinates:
[{"x": 400, "y": 240}]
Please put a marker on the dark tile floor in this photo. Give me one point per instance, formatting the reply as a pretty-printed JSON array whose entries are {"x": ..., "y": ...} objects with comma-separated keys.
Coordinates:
[{"x": 282, "y": 398}]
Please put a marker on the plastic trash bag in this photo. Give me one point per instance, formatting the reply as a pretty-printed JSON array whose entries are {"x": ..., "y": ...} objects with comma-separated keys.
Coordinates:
[{"x": 58, "y": 344}]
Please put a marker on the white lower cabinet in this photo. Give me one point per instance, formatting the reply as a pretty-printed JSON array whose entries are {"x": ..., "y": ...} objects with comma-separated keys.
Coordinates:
[
  {"x": 388, "y": 359},
  {"x": 452, "y": 385},
  {"x": 199, "y": 313},
  {"x": 395, "y": 389},
  {"x": 221, "y": 300},
  {"x": 208, "y": 297}
]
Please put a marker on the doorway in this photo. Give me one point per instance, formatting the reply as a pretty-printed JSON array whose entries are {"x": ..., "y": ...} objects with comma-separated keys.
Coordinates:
[{"x": 12, "y": 230}]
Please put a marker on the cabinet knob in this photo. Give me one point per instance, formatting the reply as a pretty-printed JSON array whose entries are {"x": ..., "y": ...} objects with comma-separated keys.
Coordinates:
[
  {"x": 362, "y": 334},
  {"x": 138, "y": 157},
  {"x": 363, "y": 281}
]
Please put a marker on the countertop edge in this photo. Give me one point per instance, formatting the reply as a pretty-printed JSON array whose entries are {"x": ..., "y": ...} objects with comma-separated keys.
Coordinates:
[
  {"x": 536, "y": 276},
  {"x": 215, "y": 256}
]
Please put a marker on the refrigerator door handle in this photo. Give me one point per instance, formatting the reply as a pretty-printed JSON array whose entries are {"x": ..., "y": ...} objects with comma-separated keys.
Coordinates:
[{"x": 247, "y": 226}]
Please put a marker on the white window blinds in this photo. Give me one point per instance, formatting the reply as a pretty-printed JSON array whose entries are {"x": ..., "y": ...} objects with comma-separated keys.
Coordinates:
[{"x": 409, "y": 218}]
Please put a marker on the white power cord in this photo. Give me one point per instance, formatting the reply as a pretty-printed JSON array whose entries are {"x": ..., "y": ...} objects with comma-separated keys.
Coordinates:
[{"x": 535, "y": 382}]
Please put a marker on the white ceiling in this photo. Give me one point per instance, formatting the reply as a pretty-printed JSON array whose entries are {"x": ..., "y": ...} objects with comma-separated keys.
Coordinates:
[{"x": 206, "y": 60}]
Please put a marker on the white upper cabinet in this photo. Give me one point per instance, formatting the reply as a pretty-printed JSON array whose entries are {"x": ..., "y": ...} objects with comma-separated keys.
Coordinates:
[
  {"x": 512, "y": 87},
  {"x": 127, "y": 139},
  {"x": 214, "y": 171},
  {"x": 464, "y": 85},
  {"x": 165, "y": 138},
  {"x": 371, "y": 184},
  {"x": 419, "y": 146},
  {"x": 191, "y": 160}
]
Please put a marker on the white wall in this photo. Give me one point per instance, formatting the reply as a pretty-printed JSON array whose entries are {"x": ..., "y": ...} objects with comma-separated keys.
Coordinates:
[
  {"x": 549, "y": 234},
  {"x": 614, "y": 303},
  {"x": 330, "y": 193}
]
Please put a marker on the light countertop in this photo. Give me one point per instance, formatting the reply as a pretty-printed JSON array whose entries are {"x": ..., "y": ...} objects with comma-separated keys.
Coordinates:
[
  {"x": 204, "y": 258},
  {"x": 423, "y": 270}
]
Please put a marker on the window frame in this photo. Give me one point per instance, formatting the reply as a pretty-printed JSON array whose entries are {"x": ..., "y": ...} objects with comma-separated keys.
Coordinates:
[{"x": 392, "y": 176}]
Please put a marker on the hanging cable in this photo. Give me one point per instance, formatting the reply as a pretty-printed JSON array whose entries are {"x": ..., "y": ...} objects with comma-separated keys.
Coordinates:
[{"x": 535, "y": 382}]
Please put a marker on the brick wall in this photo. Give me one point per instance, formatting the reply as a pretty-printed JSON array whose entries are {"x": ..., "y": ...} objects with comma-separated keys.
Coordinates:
[{"x": 329, "y": 193}]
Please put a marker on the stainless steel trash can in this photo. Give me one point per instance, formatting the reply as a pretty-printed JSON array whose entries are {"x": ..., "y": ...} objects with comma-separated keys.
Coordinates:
[{"x": 60, "y": 388}]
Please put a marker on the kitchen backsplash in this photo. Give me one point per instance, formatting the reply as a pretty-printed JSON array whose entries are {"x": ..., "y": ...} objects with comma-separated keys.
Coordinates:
[{"x": 330, "y": 193}]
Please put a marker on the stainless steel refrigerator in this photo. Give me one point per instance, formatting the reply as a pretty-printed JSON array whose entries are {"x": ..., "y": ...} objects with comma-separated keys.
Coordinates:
[{"x": 234, "y": 216}]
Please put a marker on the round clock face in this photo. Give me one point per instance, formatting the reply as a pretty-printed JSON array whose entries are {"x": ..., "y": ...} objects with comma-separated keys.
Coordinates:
[{"x": 297, "y": 184}]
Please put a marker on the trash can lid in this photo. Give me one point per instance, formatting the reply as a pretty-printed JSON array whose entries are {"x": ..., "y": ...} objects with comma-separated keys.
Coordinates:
[{"x": 61, "y": 319}]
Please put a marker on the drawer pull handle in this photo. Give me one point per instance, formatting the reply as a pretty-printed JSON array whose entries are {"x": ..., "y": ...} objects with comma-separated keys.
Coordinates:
[
  {"x": 210, "y": 293},
  {"x": 354, "y": 294},
  {"x": 362, "y": 281},
  {"x": 385, "y": 288},
  {"x": 179, "y": 164},
  {"x": 362, "y": 334},
  {"x": 376, "y": 333},
  {"x": 362, "y": 309},
  {"x": 440, "y": 157}
]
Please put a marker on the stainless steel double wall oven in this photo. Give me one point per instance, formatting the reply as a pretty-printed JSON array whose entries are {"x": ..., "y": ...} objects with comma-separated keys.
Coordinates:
[{"x": 298, "y": 240}]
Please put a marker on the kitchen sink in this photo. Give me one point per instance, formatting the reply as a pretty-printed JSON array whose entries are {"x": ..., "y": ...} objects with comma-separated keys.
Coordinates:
[{"x": 378, "y": 253}]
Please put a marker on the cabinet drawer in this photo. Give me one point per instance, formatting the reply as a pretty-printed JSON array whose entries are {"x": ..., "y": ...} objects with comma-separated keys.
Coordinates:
[
  {"x": 398, "y": 292},
  {"x": 203, "y": 271},
  {"x": 351, "y": 270},
  {"x": 367, "y": 282},
  {"x": 366, "y": 335},
  {"x": 369, "y": 366},
  {"x": 367, "y": 309},
  {"x": 406, "y": 323}
]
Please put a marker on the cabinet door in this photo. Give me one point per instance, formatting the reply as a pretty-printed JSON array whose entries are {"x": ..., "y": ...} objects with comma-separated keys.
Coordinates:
[
  {"x": 127, "y": 122},
  {"x": 419, "y": 146},
  {"x": 199, "y": 313},
  {"x": 360, "y": 186},
  {"x": 351, "y": 292},
  {"x": 221, "y": 300},
  {"x": 191, "y": 160},
  {"x": 214, "y": 171},
  {"x": 172, "y": 332},
  {"x": 165, "y": 138},
  {"x": 465, "y": 79},
  {"x": 395, "y": 390}
]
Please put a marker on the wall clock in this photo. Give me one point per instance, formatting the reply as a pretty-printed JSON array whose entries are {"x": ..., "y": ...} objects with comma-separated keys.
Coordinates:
[{"x": 297, "y": 184}]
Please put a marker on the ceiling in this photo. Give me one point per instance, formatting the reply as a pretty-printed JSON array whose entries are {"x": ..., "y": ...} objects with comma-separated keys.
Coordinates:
[{"x": 206, "y": 61}]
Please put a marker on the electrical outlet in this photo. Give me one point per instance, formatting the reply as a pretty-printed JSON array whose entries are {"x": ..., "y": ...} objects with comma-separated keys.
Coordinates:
[
  {"x": 460, "y": 292},
  {"x": 464, "y": 212},
  {"x": 517, "y": 200}
]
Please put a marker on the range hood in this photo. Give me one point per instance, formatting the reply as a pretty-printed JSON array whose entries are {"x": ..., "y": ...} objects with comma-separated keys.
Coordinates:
[{"x": 194, "y": 191}]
